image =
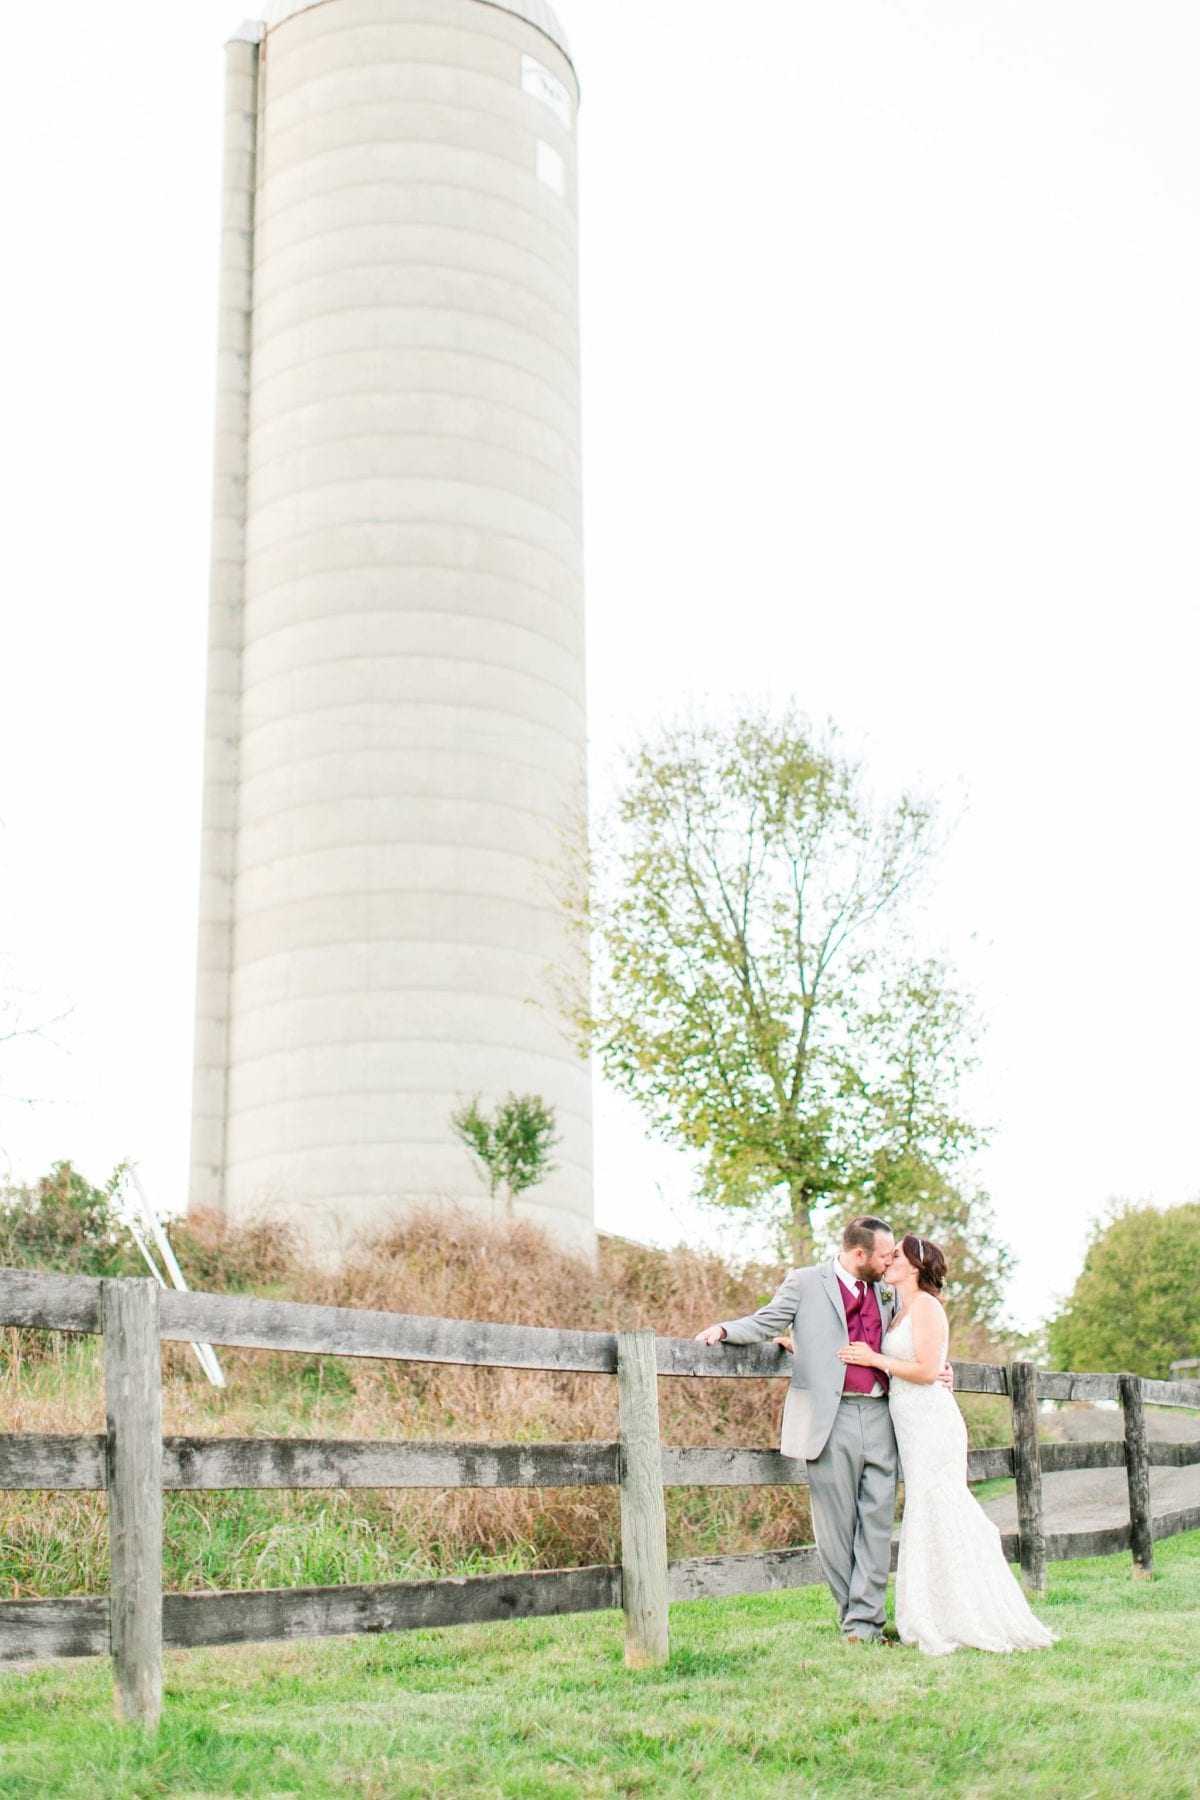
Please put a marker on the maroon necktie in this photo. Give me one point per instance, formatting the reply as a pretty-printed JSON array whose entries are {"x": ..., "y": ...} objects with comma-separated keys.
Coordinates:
[{"x": 864, "y": 1326}]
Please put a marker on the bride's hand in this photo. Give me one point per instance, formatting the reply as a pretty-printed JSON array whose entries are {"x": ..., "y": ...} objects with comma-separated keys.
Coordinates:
[
  {"x": 785, "y": 1343},
  {"x": 862, "y": 1355}
]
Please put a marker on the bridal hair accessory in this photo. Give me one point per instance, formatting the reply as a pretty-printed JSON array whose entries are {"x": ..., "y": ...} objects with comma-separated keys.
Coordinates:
[{"x": 921, "y": 1248}]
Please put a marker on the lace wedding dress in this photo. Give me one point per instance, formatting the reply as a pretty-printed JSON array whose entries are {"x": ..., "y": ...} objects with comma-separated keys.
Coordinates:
[{"x": 954, "y": 1589}]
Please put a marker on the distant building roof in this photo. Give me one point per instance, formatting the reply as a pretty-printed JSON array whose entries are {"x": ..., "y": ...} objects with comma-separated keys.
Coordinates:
[{"x": 538, "y": 13}]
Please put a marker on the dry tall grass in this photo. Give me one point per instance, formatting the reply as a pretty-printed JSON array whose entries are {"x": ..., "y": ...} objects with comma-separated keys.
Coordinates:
[{"x": 439, "y": 1264}]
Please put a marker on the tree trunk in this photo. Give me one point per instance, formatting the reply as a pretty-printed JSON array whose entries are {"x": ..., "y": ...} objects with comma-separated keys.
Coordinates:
[{"x": 801, "y": 1234}]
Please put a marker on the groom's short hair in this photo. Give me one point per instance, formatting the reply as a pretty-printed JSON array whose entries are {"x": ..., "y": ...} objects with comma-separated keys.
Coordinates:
[{"x": 860, "y": 1233}]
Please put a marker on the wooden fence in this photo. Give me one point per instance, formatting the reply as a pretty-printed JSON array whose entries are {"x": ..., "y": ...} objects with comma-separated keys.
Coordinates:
[{"x": 135, "y": 1463}]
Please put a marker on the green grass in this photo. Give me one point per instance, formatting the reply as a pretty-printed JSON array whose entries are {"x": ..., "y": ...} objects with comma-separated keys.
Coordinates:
[
  {"x": 760, "y": 1700},
  {"x": 993, "y": 1490}
]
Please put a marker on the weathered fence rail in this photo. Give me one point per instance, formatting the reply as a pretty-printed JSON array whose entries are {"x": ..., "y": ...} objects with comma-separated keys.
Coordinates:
[{"x": 135, "y": 1463}]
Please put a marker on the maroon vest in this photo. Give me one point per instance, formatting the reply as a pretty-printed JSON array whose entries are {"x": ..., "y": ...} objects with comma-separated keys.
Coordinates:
[{"x": 863, "y": 1326}]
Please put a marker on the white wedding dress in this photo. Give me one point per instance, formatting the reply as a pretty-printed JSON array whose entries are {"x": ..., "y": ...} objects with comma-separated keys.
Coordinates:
[{"x": 954, "y": 1589}]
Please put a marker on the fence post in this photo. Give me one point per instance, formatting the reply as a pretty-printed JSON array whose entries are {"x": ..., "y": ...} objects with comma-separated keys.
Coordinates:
[
  {"x": 1137, "y": 1471},
  {"x": 1027, "y": 1465},
  {"x": 643, "y": 1510},
  {"x": 133, "y": 1403}
]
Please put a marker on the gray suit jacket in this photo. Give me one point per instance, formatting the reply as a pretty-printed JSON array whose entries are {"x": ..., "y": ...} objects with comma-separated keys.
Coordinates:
[{"x": 808, "y": 1307}]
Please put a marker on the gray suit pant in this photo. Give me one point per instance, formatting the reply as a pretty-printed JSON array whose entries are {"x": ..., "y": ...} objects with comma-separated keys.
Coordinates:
[{"x": 853, "y": 1489}]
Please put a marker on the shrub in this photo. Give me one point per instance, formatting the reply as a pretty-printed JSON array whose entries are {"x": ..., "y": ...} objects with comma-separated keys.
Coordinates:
[
  {"x": 63, "y": 1223},
  {"x": 221, "y": 1258}
]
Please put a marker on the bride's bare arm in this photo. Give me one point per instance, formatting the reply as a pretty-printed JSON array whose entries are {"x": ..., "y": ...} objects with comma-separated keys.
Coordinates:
[{"x": 929, "y": 1342}]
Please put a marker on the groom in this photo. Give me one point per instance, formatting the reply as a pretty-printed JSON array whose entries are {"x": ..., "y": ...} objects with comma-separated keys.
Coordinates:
[{"x": 836, "y": 1415}]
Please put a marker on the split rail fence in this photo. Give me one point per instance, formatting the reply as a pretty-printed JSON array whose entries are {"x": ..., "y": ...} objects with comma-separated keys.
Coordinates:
[{"x": 135, "y": 1463}]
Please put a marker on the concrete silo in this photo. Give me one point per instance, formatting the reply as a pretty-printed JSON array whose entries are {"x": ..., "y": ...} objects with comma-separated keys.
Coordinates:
[{"x": 396, "y": 727}]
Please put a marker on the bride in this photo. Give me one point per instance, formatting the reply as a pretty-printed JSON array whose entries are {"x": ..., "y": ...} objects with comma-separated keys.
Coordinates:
[{"x": 954, "y": 1589}]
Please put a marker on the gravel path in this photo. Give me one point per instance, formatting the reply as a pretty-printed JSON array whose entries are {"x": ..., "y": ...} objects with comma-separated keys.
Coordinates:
[{"x": 1090, "y": 1499}]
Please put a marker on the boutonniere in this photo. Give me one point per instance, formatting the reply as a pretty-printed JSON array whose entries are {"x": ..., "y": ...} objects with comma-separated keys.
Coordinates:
[{"x": 888, "y": 1295}]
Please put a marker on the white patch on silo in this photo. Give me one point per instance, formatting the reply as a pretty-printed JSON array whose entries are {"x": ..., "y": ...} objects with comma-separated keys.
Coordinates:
[
  {"x": 537, "y": 80},
  {"x": 551, "y": 168}
]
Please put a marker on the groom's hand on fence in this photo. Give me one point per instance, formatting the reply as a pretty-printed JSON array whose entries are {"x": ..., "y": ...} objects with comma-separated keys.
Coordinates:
[
  {"x": 946, "y": 1377},
  {"x": 712, "y": 1334}
]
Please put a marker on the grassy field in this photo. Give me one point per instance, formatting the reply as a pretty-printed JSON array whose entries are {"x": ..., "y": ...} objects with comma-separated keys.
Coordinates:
[{"x": 760, "y": 1699}]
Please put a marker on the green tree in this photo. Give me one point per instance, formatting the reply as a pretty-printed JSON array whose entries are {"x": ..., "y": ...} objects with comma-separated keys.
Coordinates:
[
  {"x": 916, "y": 1140},
  {"x": 511, "y": 1146},
  {"x": 756, "y": 990},
  {"x": 64, "y": 1223},
  {"x": 1134, "y": 1305}
]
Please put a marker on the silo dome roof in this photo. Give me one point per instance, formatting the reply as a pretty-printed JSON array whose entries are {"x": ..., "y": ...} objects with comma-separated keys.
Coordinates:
[
  {"x": 541, "y": 14},
  {"x": 538, "y": 13}
]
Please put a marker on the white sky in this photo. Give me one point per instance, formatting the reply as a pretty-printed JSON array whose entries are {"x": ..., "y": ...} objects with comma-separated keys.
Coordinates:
[{"x": 891, "y": 384}]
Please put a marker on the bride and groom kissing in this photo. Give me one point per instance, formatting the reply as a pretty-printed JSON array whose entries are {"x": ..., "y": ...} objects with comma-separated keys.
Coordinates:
[{"x": 869, "y": 1379}]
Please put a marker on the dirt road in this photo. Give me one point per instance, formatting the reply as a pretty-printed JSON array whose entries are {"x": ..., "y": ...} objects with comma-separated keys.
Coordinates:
[{"x": 1089, "y": 1499}]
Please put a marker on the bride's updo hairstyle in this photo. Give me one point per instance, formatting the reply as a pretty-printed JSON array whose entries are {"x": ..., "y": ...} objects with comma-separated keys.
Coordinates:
[{"x": 927, "y": 1260}]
